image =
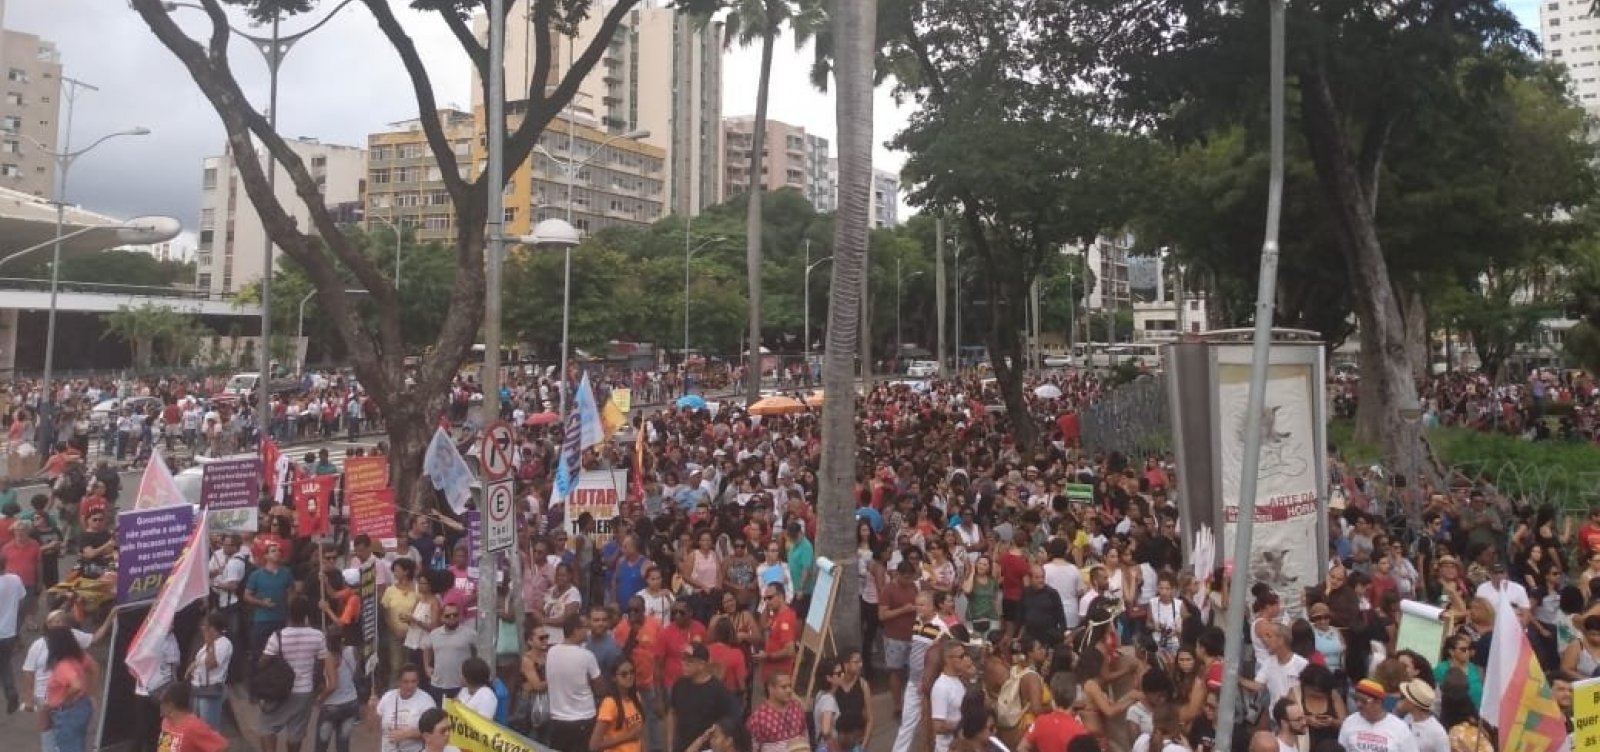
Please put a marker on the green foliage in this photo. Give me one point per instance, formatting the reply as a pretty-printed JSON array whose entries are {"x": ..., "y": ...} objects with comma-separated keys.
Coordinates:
[
  {"x": 158, "y": 335},
  {"x": 1556, "y": 472},
  {"x": 115, "y": 267}
]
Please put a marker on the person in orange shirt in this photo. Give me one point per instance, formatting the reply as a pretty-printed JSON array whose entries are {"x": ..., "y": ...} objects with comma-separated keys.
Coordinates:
[
  {"x": 639, "y": 636},
  {"x": 777, "y": 655},
  {"x": 182, "y": 730}
]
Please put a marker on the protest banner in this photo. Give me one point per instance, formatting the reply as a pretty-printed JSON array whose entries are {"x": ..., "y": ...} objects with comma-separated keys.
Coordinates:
[
  {"x": 372, "y": 515},
  {"x": 363, "y": 474},
  {"x": 470, "y": 732},
  {"x": 149, "y": 542},
  {"x": 598, "y": 494},
  {"x": 1586, "y": 714},
  {"x": 311, "y": 498},
  {"x": 230, "y": 490},
  {"x": 368, "y": 590}
]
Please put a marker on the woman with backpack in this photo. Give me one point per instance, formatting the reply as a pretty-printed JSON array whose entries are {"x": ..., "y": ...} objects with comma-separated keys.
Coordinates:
[{"x": 1024, "y": 695}]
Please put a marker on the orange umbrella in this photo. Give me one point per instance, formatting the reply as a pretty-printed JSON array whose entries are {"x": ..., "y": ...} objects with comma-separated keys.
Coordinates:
[
  {"x": 777, "y": 406},
  {"x": 814, "y": 399}
]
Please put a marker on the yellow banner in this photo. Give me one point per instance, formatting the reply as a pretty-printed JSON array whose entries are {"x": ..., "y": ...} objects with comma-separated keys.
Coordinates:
[
  {"x": 614, "y": 415},
  {"x": 471, "y": 732},
  {"x": 1586, "y": 714}
]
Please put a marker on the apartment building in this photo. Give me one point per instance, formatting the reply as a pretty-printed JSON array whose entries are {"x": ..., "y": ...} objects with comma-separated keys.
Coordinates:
[
  {"x": 404, "y": 186},
  {"x": 661, "y": 72},
  {"x": 885, "y": 199},
  {"x": 791, "y": 158},
  {"x": 29, "y": 112},
  {"x": 1571, "y": 34},
  {"x": 230, "y": 254},
  {"x": 1107, "y": 257}
]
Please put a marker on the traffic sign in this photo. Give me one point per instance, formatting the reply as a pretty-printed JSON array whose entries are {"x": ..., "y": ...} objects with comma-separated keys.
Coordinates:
[
  {"x": 495, "y": 452},
  {"x": 499, "y": 521}
]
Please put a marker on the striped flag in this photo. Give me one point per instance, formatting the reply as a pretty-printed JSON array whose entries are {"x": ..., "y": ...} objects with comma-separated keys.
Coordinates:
[
  {"x": 591, "y": 430},
  {"x": 156, "y": 486},
  {"x": 189, "y": 582},
  {"x": 1516, "y": 697}
]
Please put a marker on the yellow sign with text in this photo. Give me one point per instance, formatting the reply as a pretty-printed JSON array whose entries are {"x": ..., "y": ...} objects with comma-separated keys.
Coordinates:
[
  {"x": 471, "y": 732},
  {"x": 1586, "y": 714}
]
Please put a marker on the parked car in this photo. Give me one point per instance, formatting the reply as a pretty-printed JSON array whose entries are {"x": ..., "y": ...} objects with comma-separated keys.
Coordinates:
[
  {"x": 101, "y": 415},
  {"x": 922, "y": 369},
  {"x": 1058, "y": 360}
]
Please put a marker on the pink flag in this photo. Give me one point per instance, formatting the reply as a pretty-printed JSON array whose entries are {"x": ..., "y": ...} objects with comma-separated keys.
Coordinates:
[
  {"x": 156, "y": 486},
  {"x": 188, "y": 583}
]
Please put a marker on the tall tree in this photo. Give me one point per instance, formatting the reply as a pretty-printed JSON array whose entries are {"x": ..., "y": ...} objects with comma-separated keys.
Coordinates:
[
  {"x": 376, "y": 352},
  {"x": 854, "y": 33},
  {"x": 746, "y": 22},
  {"x": 1364, "y": 71}
]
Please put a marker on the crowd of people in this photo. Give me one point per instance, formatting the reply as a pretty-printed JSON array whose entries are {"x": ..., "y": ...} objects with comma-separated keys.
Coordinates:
[{"x": 995, "y": 613}]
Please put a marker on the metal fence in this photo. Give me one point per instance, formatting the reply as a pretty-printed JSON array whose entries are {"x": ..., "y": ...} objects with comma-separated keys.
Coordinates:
[{"x": 1133, "y": 419}]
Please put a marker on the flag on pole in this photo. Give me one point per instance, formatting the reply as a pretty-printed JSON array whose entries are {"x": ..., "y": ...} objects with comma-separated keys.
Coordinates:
[
  {"x": 1516, "y": 697},
  {"x": 571, "y": 458},
  {"x": 591, "y": 430},
  {"x": 189, "y": 582},
  {"x": 442, "y": 463},
  {"x": 156, "y": 486}
]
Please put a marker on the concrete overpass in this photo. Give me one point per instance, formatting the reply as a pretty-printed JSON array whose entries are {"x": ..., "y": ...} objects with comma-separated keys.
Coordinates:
[{"x": 88, "y": 297}]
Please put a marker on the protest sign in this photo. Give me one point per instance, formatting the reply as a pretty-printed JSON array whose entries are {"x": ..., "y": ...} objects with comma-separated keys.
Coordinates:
[
  {"x": 372, "y": 515},
  {"x": 230, "y": 490},
  {"x": 149, "y": 542},
  {"x": 470, "y": 732},
  {"x": 368, "y": 590},
  {"x": 311, "y": 498},
  {"x": 363, "y": 474},
  {"x": 1586, "y": 714},
  {"x": 597, "y": 495}
]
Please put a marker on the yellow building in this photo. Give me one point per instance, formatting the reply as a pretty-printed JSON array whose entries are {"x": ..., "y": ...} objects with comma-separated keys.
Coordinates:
[
  {"x": 404, "y": 186},
  {"x": 619, "y": 182}
]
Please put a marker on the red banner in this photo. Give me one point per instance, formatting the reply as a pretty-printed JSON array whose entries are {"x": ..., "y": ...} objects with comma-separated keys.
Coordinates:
[
  {"x": 372, "y": 513},
  {"x": 311, "y": 498}
]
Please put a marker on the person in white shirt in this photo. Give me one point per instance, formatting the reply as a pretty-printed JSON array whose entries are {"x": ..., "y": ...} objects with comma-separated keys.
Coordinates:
[
  {"x": 399, "y": 711},
  {"x": 1500, "y": 588},
  {"x": 944, "y": 702},
  {"x": 1293, "y": 734},
  {"x": 208, "y": 672},
  {"x": 475, "y": 690},
  {"x": 1062, "y": 575},
  {"x": 147, "y": 694},
  {"x": 12, "y": 593},
  {"x": 1371, "y": 728},
  {"x": 1416, "y": 704},
  {"x": 1280, "y": 672},
  {"x": 573, "y": 674}
]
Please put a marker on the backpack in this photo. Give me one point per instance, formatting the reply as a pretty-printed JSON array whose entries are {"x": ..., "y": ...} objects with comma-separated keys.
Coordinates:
[
  {"x": 273, "y": 681},
  {"x": 1008, "y": 704}
]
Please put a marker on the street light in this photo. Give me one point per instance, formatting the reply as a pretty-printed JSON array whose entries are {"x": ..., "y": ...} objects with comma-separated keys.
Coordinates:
[
  {"x": 64, "y": 160},
  {"x": 559, "y": 232},
  {"x": 688, "y": 253},
  {"x": 806, "y": 325},
  {"x": 300, "y": 323},
  {"x": 396, "y": 229},
  {"x": 899, "y": 284},
  {"x": 273, "y": 49}
]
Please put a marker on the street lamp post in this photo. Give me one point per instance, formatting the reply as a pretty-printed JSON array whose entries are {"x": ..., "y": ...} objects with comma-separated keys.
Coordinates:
[
  {"x": 571, "y": 166},
  {"x": 64, "y": 160},
  {"x": 397, "y": 250},
  {"x": 807, "y": 295},
  {"x": 273, "y": 49},
  {"x": 560, "y": 233},
  {"x": 688, "y": 253},
  {"x": 300, "y": 322},
  {"x": 957, "y": 276},
  {"x": 899, "y": 285}
]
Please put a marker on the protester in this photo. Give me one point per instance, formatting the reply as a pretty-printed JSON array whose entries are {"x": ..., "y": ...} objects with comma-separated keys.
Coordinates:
[{"x": 182, "y": 730}]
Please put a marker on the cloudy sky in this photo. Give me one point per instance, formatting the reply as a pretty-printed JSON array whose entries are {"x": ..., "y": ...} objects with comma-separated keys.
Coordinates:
[{"x": 338, "y": 85}]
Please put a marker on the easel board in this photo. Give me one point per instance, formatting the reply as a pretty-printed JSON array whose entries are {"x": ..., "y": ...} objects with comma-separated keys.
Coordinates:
[{"x": 818, "y": 618}]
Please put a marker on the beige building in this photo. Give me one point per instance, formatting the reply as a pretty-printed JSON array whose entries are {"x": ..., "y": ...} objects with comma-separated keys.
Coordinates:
[
  {"x": 790, "y": 158},
  {"x": 404, "y": 186},
  {"x": 230, "y": 252},
  {"x": 661, "y": 72},
  {"x": 29, "y": 112}
]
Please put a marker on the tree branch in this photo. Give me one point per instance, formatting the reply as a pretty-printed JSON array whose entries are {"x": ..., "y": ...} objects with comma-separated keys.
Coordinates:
[
  {"x": 533, "y": 123},
  {"x": 427, "y": 105},
  {"x": 477, "y": 53}
]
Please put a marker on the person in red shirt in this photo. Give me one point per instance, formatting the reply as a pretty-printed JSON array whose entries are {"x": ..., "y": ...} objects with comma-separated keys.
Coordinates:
[
  {"x": 94, "y": 501},
  {"x": 646, "y": 650},
  {"x": 181, "y": 730},
  {"x": 1589, "y": 533},
  {"x": 1013, "y": 568},
  {"x": 681, "y": 633},
  {"x": 726, "y": 655},
  {"x": 1052, "y": 732},
  {"x": 783, "y": 631}
]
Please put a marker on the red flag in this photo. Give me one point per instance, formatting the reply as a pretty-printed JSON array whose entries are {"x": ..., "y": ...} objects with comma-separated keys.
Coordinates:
[
  {"x": 269, "y": 466},
  {"x": 311, "y": 498}
]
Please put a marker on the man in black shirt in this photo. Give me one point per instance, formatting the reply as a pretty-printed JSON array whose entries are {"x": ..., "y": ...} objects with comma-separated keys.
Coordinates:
[
  {"x": 97, "y": 547},
  {"x": 698, "y": 700}
]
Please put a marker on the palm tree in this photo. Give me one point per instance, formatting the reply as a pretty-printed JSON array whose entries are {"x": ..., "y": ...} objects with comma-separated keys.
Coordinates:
[
  {"x": 144, "y": 327},
  {"x": 854, "y": 34},
  {"x": 746, "y": 22}
]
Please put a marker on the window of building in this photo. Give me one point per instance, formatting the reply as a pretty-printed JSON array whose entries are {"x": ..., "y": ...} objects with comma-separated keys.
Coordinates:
[
  {"x": 436, "y": 222},
  {"x": 410, "y": 151},
  {"x": 319, "y": 161},
  {"x": 378, "y": 153},
  {"x": 11, "y": 146},
  {"x": 407, "y": 200},
  {"x": 439, "y": 198},
  {"x": 511, "y": 214},
  {"x": 202, "y": 259},
  {"x": 10, "y": 170},
  {"x": 203, "y": 279},
  {"x": 10, "y": 124},
  {"x": 379, "y": 175},
  {"x": 208, "y": 218},
  {"x": 14, "y": 98},
  {"x": 1554, "y": 22},
  {"x": 208, "y": 179},
  {"x": 1555, "y": 37},
  {"x": 18, "y": 75}
]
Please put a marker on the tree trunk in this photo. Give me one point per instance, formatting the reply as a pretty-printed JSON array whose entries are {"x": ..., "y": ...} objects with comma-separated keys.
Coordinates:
[
  {"x": 1005, "y": 355},
  {"x": 752, "y": 248},
  {"x": 1390, "y": 367},
  {"x": 854, "y": 27},
  {"x": 1416, "y": 322}
]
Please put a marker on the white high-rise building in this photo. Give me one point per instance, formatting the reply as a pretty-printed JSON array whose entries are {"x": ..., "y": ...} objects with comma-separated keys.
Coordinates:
[
  {"x": 1571, "y": 34},
  {"x": 30, "y": 103},
  {"x": 660, "y": 72},
  {"x": 230, "y": 252}
]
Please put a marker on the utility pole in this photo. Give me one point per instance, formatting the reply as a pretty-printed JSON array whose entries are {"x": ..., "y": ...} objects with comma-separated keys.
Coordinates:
[
  {"x": 494, "y": 250},
  {"x": 938, "y": 287}
]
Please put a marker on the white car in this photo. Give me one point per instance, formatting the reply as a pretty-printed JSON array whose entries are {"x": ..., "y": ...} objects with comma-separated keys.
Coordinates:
[
  {"x": 922, "y": 369},
  {"x": 1060, "y": 360}
]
